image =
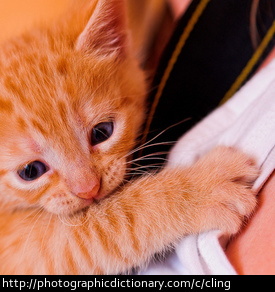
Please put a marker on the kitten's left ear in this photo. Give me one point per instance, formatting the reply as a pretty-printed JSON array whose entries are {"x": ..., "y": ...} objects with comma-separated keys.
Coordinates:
[{"x": 106, "y": 31}]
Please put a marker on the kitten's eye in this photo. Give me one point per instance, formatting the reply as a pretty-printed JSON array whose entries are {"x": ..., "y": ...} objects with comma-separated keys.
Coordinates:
[
  {"x": 102, "y": 132},
  {"x": 32, "y": 171}
]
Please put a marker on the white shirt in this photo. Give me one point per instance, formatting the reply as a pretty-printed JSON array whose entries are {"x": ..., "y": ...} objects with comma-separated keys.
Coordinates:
[{"x": 246, "y": 122}]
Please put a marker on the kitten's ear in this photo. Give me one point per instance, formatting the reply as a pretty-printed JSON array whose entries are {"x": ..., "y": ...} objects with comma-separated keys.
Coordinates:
[{"x": 106, "y": 31}]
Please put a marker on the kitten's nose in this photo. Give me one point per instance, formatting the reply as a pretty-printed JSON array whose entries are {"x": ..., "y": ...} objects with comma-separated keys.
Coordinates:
[
  {"x": 91, "y": 191},
  {"x": 82, "y": 181}
]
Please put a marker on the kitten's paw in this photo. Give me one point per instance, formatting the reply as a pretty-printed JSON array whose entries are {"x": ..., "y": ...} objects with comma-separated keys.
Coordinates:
[
  {"x": 227, "y": 163},
  {"x": 232, "y": 174}
]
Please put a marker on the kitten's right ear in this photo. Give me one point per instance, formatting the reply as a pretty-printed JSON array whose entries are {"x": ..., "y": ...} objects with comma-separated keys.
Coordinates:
[{"x": 106, "y": 31}]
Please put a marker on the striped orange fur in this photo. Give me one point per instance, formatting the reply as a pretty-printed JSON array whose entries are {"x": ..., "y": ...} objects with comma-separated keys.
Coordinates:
[{"x": 57, "y": 83}]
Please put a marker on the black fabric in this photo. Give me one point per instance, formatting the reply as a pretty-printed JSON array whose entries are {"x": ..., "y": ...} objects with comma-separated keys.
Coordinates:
[{"x": 217, "y": 50}]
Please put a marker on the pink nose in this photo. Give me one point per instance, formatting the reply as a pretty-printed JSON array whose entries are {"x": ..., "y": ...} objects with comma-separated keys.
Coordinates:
[
  {"x": 91, "y": 193},
  {"x": 82, "y": 181}
]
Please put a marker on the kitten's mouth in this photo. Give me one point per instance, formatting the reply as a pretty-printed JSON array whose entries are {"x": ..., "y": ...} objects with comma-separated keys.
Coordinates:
[{"x": 99, "y": 196}]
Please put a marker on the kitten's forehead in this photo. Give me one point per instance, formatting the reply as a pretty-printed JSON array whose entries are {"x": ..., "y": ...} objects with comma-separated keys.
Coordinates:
[
  {"x": 54, "y": 108},
  {"x": 41, "y": 80}
]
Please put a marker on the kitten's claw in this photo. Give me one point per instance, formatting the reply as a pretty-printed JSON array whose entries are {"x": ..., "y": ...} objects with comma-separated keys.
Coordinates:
[{"x": 233, "y": 174}]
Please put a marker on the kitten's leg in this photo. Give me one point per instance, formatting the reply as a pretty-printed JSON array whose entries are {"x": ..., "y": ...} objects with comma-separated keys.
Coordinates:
[{"x": 153, "y": 212}]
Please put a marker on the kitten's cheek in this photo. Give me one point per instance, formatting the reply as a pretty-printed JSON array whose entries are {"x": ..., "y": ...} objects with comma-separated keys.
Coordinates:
[{"x": 109, "y": 185}]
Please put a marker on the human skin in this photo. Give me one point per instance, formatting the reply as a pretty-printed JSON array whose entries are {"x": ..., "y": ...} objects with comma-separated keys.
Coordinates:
[
  {"x": 253, "y": 250},
  {"x": 178, "y": 7}
]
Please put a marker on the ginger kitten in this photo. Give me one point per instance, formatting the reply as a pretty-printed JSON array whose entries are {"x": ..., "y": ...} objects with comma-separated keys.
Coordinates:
[{"x": 72, "y": 101}]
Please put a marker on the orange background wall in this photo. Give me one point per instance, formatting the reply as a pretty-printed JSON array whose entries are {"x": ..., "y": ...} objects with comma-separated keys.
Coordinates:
[{"x": 18, "y": 15}]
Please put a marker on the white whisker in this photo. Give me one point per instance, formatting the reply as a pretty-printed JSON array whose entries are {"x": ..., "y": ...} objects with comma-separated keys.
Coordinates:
[
  {"x": 151, "y": 156},
  {"x": 141, "y": 147}
]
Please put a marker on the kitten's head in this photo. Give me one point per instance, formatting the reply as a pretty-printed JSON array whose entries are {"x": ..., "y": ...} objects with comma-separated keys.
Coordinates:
[{"x": 71, "y": 105}]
